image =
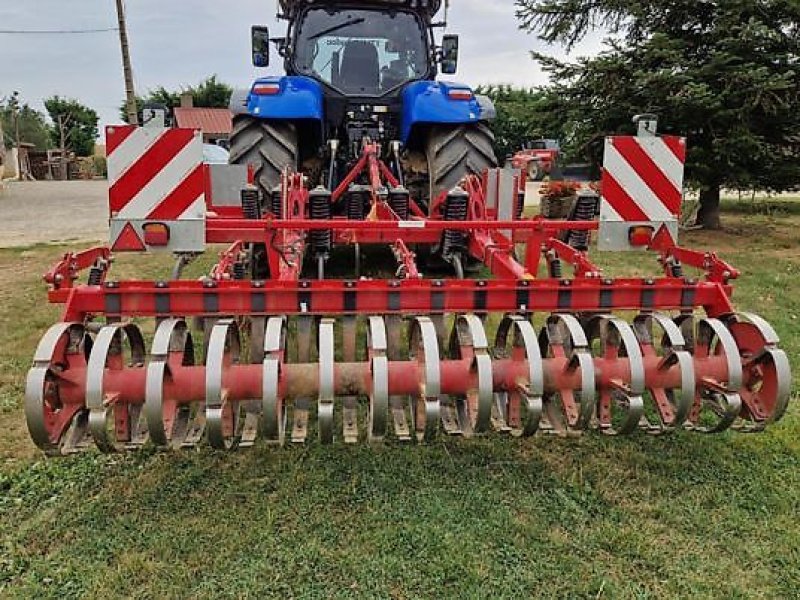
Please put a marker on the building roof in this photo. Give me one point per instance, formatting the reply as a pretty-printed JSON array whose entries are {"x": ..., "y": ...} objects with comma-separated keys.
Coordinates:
[{"x": 211, "y": 121}]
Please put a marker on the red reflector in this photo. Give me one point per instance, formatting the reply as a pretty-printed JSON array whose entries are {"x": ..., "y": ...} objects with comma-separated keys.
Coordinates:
[
  {"x": 156, "y": 234},
  {"x": 460, "y": 94},
  {"x": 641, "y": 235},
  {"x": 267, "y": 89},
  {"x": 128, "y": 240}
]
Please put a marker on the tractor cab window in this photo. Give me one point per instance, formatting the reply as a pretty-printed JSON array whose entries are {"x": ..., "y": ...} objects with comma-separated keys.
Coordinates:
[{"x": 361, "y": 52}]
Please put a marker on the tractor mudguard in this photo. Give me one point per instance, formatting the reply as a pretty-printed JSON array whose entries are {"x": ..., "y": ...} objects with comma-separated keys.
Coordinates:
[
  {"x": 433, "y": 102},
  {"x": 288, "y": 97}
]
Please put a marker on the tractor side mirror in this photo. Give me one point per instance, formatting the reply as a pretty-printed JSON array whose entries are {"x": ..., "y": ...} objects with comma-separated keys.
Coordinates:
[
  {"x": 260, "y": 45},
  {"x": 449, "y": 58}
]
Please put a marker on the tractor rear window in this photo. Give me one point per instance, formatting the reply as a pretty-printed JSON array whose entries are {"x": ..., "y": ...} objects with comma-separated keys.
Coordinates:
[{"x": 361, "y": 52}]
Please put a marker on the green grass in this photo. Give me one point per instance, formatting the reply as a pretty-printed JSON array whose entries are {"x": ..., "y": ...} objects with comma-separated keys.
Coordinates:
[{"x": 640, "y": 517}]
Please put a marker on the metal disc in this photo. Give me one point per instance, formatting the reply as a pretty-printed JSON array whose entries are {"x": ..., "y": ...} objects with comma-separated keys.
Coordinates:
[
  {"x": 528, "y": 393},
  {"x": 424, "y": 347},
  {"x": 172, "y": 338},
  {"x": 100, "y": 407},
  {"x": 47, "y": 424},
  {"x": 379, "y": 365},
  {"x": 469, "y": 337},
  {"x": 223, "y": 350},
  {"x": 273, "y": 409}
]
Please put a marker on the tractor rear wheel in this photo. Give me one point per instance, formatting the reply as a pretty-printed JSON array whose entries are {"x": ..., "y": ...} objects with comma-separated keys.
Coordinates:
[
  {"x": 456, "y": 151},
  {"x": 269, "y": 146}
]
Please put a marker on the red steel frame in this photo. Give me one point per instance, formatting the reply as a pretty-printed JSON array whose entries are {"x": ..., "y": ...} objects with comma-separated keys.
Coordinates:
[{"x": 516, "y": 286}]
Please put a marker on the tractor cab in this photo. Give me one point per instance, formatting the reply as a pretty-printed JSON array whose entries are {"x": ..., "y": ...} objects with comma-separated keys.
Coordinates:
[
  {"x": 361, "y": 73},
  {"x": 361, "y": 52}
]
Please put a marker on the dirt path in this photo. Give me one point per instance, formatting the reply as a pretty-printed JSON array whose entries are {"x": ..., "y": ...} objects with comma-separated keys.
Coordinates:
[{"x": 53, "y": 211}]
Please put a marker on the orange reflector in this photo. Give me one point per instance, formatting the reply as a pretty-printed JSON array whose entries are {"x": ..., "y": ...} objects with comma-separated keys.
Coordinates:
[
  {"x": 267, "y": 89},
  {"x": 641, "y": 235},
  {"x": 460, "y": 94},
  {"x": 156, "y": 234}
]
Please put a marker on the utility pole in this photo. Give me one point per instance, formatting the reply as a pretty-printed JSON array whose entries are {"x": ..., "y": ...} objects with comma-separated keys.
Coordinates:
[{"x": 130, "y": 93}]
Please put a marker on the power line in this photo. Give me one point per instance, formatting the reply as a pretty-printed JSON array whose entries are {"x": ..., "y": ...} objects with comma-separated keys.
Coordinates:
[{"x": 55, "y": 31}]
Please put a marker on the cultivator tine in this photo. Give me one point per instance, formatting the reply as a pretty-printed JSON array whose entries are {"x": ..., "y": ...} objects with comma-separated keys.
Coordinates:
[
  {"x": 301, "y": 407},
  {"x": 325, "y": 402},
  {"x": 256, "y": 346},
  {"x": 350, "y": 403},
  {"x": 397, "y": 404}
]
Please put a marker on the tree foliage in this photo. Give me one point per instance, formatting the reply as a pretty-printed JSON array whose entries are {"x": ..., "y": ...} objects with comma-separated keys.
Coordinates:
[
  {"x": 209, "y": 93},
  {"x": 79, "y": 124},
  {"x": 724, "y": 74},
  {"x": 32, "y": 124},
  {"x": 522, "y": 115}
]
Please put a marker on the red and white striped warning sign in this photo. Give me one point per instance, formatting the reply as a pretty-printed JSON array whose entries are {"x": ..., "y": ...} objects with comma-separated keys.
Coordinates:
[
  {"x": 643, "y": 177},
  {"x": 156, "y": 175},
  {"x": 642, "y": 183}
]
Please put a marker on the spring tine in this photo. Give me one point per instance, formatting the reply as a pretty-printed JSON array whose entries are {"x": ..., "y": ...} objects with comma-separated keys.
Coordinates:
[
  {"x": 301, "y": 408},
  {"x": 326, "y": 381},
  {"x": 256, "y": 341},
  {"x": 350, "y": 403},
  {"x": 397, "y": 404}
]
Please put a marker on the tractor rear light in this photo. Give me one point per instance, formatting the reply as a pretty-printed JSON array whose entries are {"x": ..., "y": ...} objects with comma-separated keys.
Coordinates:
[
  {"x": 460, "y": 94},
  {"x": 267, "y": 89},
  {"x": 641, "y": 235},
  {"x": 156, "y": 234}
]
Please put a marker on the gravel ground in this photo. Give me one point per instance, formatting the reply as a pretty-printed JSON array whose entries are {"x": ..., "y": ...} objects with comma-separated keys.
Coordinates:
[
  {"x": 71, "y": 211},
  {"x": 53, "y": 212}
]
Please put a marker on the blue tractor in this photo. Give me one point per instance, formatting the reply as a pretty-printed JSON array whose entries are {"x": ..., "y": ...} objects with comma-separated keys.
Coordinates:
[{"x": 356, "y": 73}]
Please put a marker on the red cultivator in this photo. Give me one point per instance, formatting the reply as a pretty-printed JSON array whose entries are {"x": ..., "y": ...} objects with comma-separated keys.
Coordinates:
[{"x": 290, "y": 351}]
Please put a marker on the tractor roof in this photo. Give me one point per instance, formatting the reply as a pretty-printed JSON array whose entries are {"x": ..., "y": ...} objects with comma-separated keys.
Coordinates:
[{"x": 427, "y": 7}]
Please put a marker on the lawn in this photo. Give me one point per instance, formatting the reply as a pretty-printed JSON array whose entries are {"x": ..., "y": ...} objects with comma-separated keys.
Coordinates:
[{"x": 639, "y": 517}]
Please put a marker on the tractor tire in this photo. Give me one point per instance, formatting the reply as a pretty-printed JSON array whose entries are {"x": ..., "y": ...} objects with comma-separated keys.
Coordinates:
[
  {"x": 269, "y": 146},
  {"x": 456, "y": 151}
]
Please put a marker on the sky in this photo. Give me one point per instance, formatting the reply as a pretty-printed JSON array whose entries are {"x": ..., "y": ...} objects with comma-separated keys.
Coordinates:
[{"x": 178, "y": 43}]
